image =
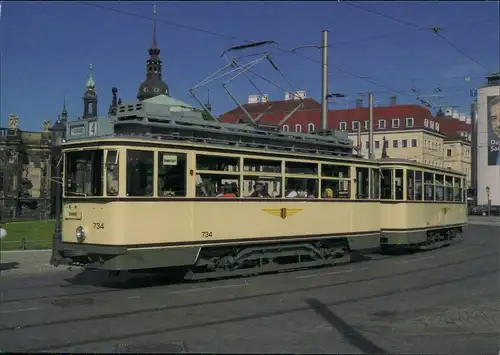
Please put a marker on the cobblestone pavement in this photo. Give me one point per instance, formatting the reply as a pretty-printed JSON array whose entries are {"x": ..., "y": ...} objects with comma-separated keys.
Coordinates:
[{"x": 442, "y": 301}]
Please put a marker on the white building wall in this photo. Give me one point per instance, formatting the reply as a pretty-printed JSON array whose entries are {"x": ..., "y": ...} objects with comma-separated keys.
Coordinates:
[{"x": 486, "y": 175}]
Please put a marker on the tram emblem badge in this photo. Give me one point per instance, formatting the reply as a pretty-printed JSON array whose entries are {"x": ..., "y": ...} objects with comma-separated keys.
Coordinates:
[{"x": 282, "y": 212}]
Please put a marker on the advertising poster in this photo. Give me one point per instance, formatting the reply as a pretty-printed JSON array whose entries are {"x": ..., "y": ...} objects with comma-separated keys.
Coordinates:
[{"x": 493, "y": 119}]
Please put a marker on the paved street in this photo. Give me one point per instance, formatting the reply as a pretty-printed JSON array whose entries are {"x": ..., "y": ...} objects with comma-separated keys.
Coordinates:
[{"x": 443, "y": 301}]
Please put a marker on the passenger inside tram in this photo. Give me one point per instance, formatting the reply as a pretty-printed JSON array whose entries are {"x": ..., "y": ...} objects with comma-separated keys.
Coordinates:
[{"x": 260, "y": 190}]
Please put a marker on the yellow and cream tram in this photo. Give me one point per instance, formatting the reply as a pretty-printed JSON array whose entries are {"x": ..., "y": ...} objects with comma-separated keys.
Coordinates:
[{"x": 234, "y": 199}]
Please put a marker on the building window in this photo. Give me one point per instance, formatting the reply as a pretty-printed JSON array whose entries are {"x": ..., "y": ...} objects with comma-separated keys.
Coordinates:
[
  {"x": 367, "y": 145},
  {"x": 395, "y": 123},
  {"x": 448, "y": 152},
  {"x": 395, "y": 144},
  {"x": 298, "y": 128},
  {"x": 286, "y": 128},
  {"x": 386, "y": 144},
  {"x": 414, "y": 143},
  {"x": 342, "y": 125},
  {"x": 310, "y": 127},
  {"x": 377, "y": 145},
  {"x": 409, "y": 122},
  {"x": 426, "y": 123},
  {"x": 381, "y": 124},
  {"x": 431, "y": 124},
  {"x": 367, "y": 125},
  {"x": 404, "y": 143},
  {"x": 437, "y": 126},
  {"x": 355, "y": 125}
]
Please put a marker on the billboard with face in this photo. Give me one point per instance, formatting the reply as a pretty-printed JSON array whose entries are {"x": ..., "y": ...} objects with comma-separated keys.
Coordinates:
[{"x": 493, "y": 119}]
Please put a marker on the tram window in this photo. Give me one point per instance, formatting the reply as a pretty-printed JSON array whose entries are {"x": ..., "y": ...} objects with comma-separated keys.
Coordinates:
[
  {"x": 261, "y": 186},
  {"x": 217, "y": 185},
  {"x": 301, "y": 168},
  {"x": 362, "y": 183},
  {"x": 439, "y": 186},
  {"x": 84, "y": 173},
  {"x": 140, "y": 171},
  {"x": 217, "y": 163},
  {"x": 418, "y": 186},
  {"x": 386, "y": 184},
  {"x": 340, "y": 189},
  {"x": 449, "y": 188},
  {"x": 398, "y": 183},
  {"x": 171, "y": 174},
  {"x": 337, "y": 171},
  {"x": 457, "y": 191},
  {"x": 375, "y": 181},
  {"x": 429, "y": 187},
  {"x": 260, "y": 165},
  {"x": 410, "y": 185},
  {"x": 301, "y": 188},
  {"x": 112, "y": 173}
]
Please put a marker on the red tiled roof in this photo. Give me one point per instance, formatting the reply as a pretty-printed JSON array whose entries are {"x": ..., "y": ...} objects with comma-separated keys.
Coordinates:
[
  {"x": 450, "y": 126},
  {"x": 277, "y": 107},
  {"x": 311, "y": 114}
]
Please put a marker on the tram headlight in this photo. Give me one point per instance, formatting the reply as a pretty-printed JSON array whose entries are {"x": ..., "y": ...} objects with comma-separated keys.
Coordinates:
[{"x": 80, "y": 234}]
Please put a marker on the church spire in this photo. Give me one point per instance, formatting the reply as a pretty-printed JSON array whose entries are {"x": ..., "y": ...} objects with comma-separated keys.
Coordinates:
[
  {"x": 153, "y": 85},
  {"x": 64, "y": 113},
  {"x": 154, "y": 51},
  {"x": 90, "y": 97},
  {"x": 90, "y": 82}
]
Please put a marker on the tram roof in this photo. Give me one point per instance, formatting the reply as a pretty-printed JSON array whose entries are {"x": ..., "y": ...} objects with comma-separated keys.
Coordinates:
[
  {"x": 172, "y": 119},
  {"x": 409, "y": 162}
]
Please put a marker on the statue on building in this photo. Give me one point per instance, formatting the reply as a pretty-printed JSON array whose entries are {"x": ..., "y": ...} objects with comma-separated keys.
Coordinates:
[
  {"x": 13, "y": 122},
  {"x": 384, "y": 148}
]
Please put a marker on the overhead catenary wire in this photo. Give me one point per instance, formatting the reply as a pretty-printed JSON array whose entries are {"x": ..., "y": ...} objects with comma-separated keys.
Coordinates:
[
  {"x": 197, "y": 29},
  {"x": 407, "y": 23},
  {"x": 299, "y": 55}
]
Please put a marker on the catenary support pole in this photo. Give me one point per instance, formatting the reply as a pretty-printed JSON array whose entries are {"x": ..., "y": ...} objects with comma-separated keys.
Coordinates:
[
  {"x": 371, "y": 148},
  {"x": 324, "y": 84}
]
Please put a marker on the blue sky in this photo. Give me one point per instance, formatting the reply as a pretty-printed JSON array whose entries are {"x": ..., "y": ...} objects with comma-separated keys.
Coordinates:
[{"x": 47, "y": 48}]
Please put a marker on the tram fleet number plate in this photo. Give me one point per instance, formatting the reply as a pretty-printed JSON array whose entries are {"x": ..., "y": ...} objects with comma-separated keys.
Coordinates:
[{"x": 98, "y": 225}]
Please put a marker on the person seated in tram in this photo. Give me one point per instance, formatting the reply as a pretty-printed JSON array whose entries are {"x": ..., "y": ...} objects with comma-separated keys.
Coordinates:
[
  {"x": 229, "y": 190},
  {"x": 260, "y": 190},
  {"x": 221, "y": 191},
  {"x": 328, "y": 193}
]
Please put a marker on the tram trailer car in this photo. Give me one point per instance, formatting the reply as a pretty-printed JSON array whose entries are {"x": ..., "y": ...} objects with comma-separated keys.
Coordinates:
[
  {"x": 422, "y": 207},
  {"x": 155, "y": 201}
]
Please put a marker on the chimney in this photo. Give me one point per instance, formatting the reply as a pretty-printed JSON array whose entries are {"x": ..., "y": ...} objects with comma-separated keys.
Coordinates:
[
  {"x": 359, "y": 103},
  {"x": 392, "y": 101}
]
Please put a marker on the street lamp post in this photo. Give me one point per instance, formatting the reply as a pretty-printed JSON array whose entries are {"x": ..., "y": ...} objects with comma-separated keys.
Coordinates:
[
  {"x": 58, "y": 133},
  {"x": 488, "y": 199}
]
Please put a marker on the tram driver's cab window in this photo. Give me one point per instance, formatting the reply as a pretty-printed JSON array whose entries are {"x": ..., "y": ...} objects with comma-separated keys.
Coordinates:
[
  {"x": 386, "y": 184},
  {"x": 112, "y": 173},
  {"x": 171, "y": 174},
  {"x": 84, "y": 173},
  {"x": 140, "y": 173}
]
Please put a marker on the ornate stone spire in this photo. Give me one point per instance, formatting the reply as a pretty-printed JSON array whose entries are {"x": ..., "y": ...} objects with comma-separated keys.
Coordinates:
[
  {"x": 153, "y": 85},
  {"x": 90, "y": 97}
]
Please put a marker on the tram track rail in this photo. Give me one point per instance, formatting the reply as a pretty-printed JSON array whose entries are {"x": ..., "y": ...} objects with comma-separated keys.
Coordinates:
[
  {"x": 156, "y": 280},
  {"x": 229, "y": 320},
  {"x": 167, "y": 307}
]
